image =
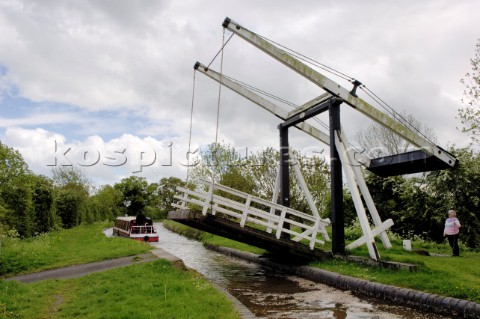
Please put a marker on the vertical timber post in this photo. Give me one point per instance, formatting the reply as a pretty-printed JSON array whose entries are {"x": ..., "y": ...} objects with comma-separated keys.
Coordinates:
[
  {"x": 336, "y": 182},
  {"x": 284, "y": 173}
]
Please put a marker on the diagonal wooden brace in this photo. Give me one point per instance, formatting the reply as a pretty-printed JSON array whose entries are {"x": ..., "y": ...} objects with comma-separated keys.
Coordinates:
[{"x": 375, "y": 232}]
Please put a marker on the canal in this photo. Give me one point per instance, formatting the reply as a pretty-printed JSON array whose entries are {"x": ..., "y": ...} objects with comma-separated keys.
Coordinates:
[{"x": 272, "y": 294}]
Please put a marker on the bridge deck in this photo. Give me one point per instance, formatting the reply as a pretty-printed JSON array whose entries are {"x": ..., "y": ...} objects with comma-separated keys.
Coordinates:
[
  {"x": 217, "y": 225},
  {"x": 406, "y": 163}
]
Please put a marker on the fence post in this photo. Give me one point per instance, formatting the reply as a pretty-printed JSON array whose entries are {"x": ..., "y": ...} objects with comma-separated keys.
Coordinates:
[
  {"x": 208, "y": 199},
  {"x": 314, "y": 233},
  {"x": 280, "y": 223},
  {"x": 245, "y": 211}
]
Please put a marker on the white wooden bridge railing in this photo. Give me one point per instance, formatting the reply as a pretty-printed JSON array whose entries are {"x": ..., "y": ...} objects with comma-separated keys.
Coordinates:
[{"x": 246, "y": 208}]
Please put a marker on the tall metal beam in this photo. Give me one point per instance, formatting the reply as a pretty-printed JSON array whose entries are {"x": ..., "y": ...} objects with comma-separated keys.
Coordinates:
[
  {"x": 284, "y": 172},
  {"x": 337, "y": 90},
  {"x": 284, "y": 167},
  {"x": 336, "y": 183}
]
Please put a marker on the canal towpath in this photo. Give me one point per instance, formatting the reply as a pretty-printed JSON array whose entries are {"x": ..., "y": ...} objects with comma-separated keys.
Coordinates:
[{"x": 84, "y": 269}]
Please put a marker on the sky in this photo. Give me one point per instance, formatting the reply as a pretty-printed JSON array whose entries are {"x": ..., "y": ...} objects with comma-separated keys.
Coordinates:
[{"x": 107, "y": 85}]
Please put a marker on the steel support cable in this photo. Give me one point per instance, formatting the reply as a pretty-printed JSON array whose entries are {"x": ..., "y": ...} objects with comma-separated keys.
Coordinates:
[
  {"x": 307, "y": 59},
  {"x": 382, "y": 103},
  {"x": 260, "y": 91},
  {"x": 370, "y": 93},
  {"x": 392, "y": 112},
  {"x": 221, "y": 49},
  {"x": 224, "y": 43},
  {"x": 344, "y": 76},
  {"x": 191, "y": 121},
  {"x": 311, "y": 61},
  {"x": 325, "y": 126},
  {"x": 277, "y": 98},
  {"x": 215, "y": 146},
  {"x": 220, "y": 87}
]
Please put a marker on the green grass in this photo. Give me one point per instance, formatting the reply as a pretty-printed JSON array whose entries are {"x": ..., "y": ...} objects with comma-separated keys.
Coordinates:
[
  {"x": 148, "y": 290},
  {"x": 447, "y": 276},
  {"x": 457, "y": 277},
  {"x": 60, "y": 248},
  {"x": 145, "y": 290},
  {"x": 211, "y": 239}
]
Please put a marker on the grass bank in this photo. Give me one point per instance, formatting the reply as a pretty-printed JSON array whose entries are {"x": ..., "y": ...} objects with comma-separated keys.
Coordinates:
[
  {"x": 65, "y": 247},
  {"x": 457, "y": 277},
  {"x": 146, "y": 290}
]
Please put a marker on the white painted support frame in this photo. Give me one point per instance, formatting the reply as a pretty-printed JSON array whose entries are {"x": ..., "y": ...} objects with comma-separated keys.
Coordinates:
[
  {"x": 357, "y": 201},
  {"x": 355, "y": 181},
  {"x": 276, "y": 192},
  {"x": 306, "y": 191},
  {"x": 381, "y": 227}
]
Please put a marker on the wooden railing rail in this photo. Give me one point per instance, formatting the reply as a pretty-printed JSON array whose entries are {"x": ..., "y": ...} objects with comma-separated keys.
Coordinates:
[{"x": 246, "y": 208}]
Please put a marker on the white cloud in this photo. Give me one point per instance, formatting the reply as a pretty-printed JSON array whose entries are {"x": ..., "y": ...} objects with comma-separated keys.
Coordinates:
[
  {"x": 135, "y": 59},
  {"x": 102, "y": 161}
]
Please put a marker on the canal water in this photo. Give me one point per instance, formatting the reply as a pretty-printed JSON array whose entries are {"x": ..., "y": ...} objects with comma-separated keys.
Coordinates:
[{"x": 273, "y": 294}]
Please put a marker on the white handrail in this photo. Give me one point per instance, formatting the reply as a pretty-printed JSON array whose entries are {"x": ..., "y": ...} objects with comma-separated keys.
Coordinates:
[{"x": 245, "y": 211}]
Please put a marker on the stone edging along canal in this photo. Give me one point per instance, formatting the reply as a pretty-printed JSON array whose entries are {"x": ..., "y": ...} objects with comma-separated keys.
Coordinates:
[{"x": 401, "y": 296}]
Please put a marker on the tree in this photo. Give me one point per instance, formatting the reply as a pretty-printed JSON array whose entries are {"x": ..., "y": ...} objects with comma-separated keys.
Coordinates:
[
  {"x": 12, "y": 165},
  {"x": 316, "y": 173},
  {"x": 418, "y": 205},
  {"x": 71, "y": 176},
  {"x": 73, "y": 196},
  {"x": 470, "y": 112},
  {"x": 16, "y": 192},
  {"x": 261, "y": 168},
  {"x": 387, "y": 196},
  {"x": 215, "y": 161},
  {"x": 43, "y": 198},
  {"x": 379, "y": 141},
  {"x": 167, "y": 191},
  {"x": 69, "y": 207},
  {"x": 21, "y": 214},
  {"x": 135, "y": 194},
  {"x": 458, "y": 189},
  {"x": 108, "y": 202}
]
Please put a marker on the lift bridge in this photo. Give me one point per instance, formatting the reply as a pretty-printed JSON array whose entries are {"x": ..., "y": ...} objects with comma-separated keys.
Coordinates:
[{"x": 276, "y": 227}]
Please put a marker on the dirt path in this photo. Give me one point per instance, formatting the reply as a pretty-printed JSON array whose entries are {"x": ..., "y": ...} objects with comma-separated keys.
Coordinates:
[{"x": 84, "y": 269}]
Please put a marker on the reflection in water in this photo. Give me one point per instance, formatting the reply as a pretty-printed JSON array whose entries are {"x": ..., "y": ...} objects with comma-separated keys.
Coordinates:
[{"x": 272, "y": 294}]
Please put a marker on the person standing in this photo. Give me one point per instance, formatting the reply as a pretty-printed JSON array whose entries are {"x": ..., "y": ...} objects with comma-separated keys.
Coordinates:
[{"x": 452, "y": 230}]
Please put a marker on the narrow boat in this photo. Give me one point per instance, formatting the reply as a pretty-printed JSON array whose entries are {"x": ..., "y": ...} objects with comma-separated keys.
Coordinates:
[{"x": 136, "y": 228}]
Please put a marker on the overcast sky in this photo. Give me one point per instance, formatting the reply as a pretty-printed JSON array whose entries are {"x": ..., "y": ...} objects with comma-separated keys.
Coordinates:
[{"x": 113, "y": 78}]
